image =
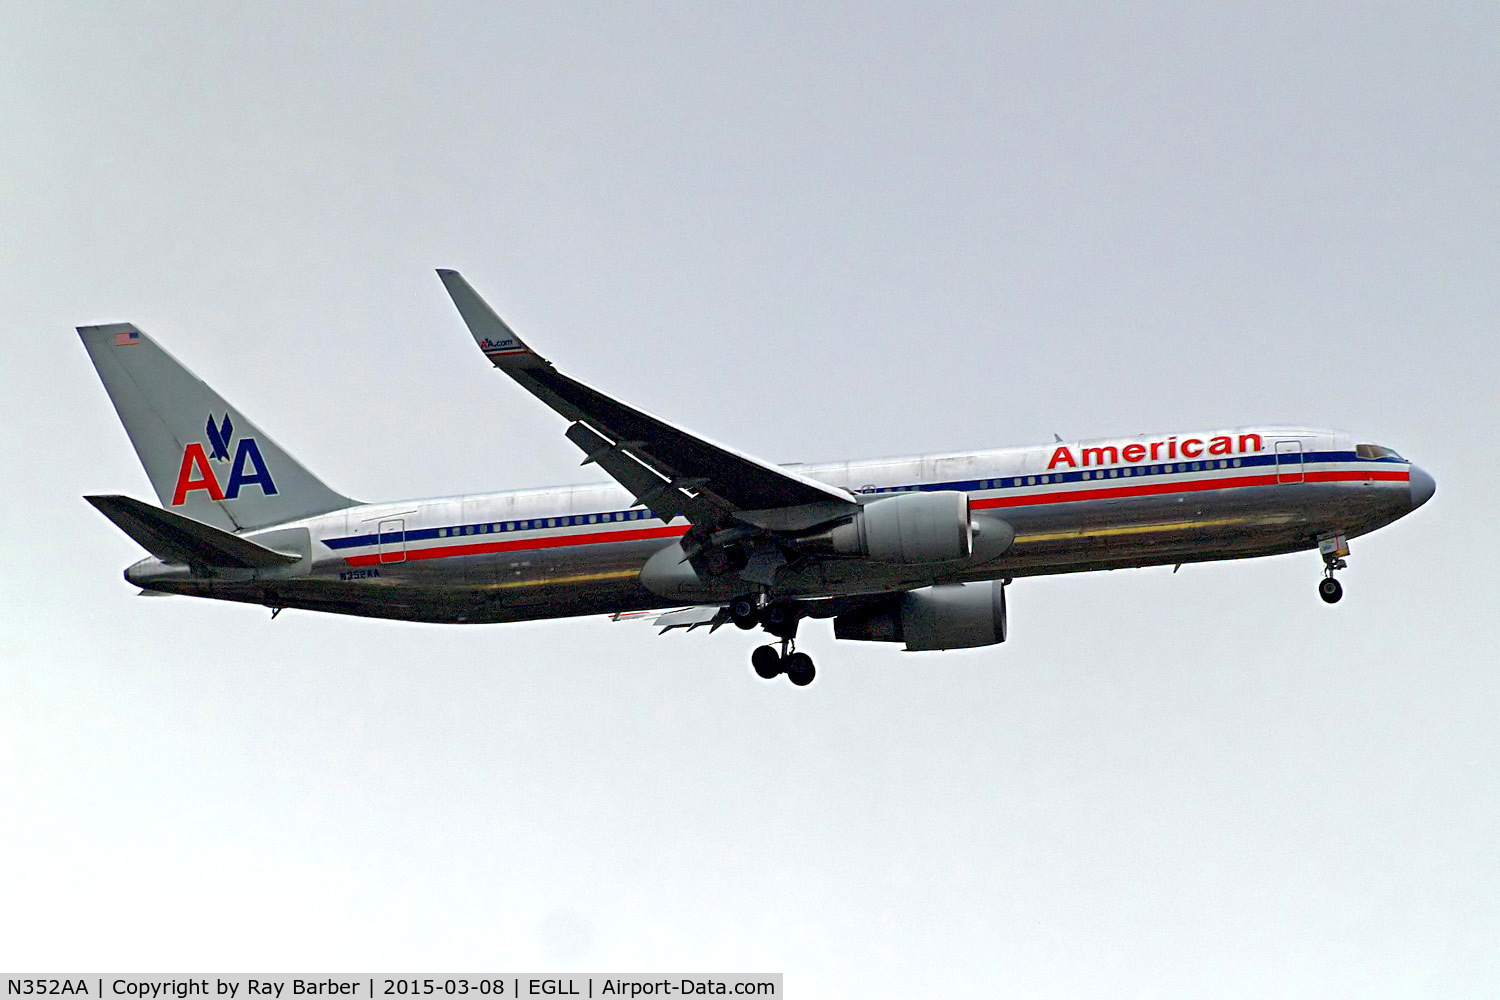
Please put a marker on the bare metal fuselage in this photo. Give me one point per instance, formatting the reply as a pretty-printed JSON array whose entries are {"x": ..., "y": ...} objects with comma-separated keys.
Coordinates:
[{"x": 579, "y": 550}]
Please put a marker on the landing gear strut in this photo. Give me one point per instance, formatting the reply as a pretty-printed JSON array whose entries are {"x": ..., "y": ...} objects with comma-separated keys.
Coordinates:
[
  {"x": 1333, "y": 549},
  {"x": 781, "y": 621}
]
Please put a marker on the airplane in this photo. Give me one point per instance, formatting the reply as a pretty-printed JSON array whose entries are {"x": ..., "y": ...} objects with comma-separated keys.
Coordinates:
[{"x": 692, "y": 533}]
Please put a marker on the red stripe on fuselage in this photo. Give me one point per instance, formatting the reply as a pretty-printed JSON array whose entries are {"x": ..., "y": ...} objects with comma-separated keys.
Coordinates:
[
  {"x": 1184, "y": 486},
  {"x": 525, "y": 544},
  {"x": 982, "y": 503}
]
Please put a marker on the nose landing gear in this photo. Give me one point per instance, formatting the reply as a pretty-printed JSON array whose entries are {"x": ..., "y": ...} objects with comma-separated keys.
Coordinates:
[{"x": 1333, "y": 548}]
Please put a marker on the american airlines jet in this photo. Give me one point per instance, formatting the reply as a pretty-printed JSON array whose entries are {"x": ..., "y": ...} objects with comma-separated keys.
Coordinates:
[{"x": 910, "y": 550}]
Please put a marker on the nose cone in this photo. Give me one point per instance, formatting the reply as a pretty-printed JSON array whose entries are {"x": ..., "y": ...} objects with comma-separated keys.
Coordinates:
[{"x": 1422, "y": 487}]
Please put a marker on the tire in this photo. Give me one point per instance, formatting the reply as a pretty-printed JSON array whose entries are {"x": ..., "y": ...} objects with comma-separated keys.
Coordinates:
[
  {"x": 780, "y": 620},
  {"x": 744, "y": 613},
  {"x": 1330, "y": 590},
  {"x": 766, "y": 661},
  {"x": 800, "y": 670}
]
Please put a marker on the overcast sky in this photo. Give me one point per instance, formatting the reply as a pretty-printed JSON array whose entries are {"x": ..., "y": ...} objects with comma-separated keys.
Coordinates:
[{"x": 856, "y": 231}]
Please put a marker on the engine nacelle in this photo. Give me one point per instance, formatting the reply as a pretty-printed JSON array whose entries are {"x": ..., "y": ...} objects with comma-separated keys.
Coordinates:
[
  {"x": 907, "y": 528},
  {"x": 948, "y": 616}
]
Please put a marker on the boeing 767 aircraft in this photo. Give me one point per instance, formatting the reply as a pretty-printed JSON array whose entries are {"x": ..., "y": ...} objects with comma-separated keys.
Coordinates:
[{"x": 911, "y": 550}]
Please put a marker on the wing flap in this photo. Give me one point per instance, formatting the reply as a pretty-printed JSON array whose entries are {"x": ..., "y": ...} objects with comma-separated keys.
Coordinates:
[
  {"x": 710, "y": 615},
  {"x": 663, "y": 497}
]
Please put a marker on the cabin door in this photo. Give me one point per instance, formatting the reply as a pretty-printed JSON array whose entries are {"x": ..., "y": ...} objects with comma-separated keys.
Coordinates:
[{"x": 393, "y": 540}]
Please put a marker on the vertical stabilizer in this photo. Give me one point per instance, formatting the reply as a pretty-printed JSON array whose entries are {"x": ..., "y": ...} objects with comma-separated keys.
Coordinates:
[{"x": 206, "y": 460}]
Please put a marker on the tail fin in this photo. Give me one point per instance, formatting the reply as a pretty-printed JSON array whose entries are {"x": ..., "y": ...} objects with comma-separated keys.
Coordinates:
[{"x": 206, "y": 461}]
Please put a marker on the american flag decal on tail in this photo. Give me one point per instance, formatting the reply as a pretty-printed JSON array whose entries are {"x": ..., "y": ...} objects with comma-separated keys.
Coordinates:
[{"x": 128, "y": 338}]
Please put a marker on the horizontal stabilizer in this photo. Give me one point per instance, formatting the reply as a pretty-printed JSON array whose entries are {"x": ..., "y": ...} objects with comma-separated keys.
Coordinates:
[{"x": 174, "y": 538}]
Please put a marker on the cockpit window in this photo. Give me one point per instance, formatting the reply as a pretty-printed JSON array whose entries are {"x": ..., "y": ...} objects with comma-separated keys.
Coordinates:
[{"x": 1376, "y": 451}]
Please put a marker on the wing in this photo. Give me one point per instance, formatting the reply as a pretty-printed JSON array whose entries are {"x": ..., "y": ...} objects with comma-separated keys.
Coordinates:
[{"x": 667, "y": 468}]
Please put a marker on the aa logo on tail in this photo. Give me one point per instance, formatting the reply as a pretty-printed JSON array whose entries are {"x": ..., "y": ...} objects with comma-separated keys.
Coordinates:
[{"x": 247, "y": 468}]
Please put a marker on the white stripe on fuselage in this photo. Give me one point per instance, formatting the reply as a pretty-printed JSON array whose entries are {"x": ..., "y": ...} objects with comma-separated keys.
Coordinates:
[{"x": 1019, "y": 472}]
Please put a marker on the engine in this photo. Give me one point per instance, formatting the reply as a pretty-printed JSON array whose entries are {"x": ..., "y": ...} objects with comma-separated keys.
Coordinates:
[
  {"x": 948, "y": 616},
  {"x": 907, "y": 528}
]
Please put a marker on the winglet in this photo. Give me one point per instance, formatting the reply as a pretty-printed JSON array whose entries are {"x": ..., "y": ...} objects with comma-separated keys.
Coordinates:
[{"x": 498, "y": 341}]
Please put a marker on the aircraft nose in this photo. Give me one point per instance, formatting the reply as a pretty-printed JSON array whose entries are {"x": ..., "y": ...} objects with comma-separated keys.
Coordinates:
[{"x": 1422, "y": 487}]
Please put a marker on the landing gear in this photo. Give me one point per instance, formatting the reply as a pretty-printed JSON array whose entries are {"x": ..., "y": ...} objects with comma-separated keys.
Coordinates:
[
  {"x": 769, "y": 664},
  {"x": 780, "y": 619},
  {"x": 1333, "y": 548}
]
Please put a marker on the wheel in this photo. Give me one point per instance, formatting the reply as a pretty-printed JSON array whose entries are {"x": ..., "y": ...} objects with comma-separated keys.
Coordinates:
[
  {"x": 780, "y": 620},
  {"x": 799, "y": 669},
  {"x": 766, "y": 661},
  {"x": 1330, "y": 590},
  {"x": 744, "y": 613}
]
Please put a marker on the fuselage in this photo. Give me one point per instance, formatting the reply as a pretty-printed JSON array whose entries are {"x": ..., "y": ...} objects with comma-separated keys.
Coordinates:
[{"x": 1075, "y": 506}]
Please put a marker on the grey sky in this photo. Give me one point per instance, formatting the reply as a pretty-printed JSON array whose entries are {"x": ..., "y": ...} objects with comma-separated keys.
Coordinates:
[{"x": 862, "y": 230}]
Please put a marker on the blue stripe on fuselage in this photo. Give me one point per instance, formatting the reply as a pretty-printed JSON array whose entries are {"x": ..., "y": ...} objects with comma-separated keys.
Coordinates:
[{"x": 1053, "y": 477}]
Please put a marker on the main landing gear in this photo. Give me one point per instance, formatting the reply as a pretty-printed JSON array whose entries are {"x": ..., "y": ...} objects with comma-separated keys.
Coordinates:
[
  {"x": 1333, "y": 549},
  {"x": 798, "y": 667},
  {"x": 779, "y": 619}
]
